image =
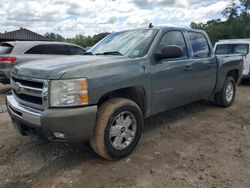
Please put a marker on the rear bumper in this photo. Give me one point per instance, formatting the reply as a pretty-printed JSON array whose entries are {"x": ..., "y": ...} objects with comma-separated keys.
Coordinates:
[
  {"x": 76, "y": 124},
  {"x": 4, "y": 79},
  {"x": 5, "y": 74}
]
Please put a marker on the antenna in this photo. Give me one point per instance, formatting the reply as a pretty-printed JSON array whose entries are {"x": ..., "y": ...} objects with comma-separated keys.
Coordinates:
[
  {"x": 75, "y": 27},
  {"x": 150, "y": 25}
]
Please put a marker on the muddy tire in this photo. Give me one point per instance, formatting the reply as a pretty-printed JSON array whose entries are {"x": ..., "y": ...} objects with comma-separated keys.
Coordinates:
[
  {"x": 118, "y": 128},
  {"x": 225, "y": 98}
]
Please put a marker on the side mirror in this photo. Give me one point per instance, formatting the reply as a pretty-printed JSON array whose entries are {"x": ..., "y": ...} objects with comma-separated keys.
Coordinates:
[{"x": 170, "y": 52}]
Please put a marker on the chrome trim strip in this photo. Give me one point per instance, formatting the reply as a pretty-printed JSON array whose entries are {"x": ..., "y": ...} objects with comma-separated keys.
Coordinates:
[
  {"x": 27, "y": 79},
  {"x": 27, "y": 114},
  {"x": 26, "y": 103},
  {"x": 22, "y": 89}
]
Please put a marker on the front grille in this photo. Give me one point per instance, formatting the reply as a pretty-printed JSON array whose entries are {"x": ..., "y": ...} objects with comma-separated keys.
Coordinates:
[{"x": 28, "y": 91}]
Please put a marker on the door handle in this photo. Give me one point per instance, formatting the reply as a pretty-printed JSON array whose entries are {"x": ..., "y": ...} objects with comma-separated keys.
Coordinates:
[{"x": 188, "y": 68}]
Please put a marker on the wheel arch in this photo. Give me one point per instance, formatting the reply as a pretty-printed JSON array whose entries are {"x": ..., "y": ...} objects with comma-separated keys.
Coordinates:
[
  {"x": 136, "y": 94},
  {"x": 234, "y": 73}
]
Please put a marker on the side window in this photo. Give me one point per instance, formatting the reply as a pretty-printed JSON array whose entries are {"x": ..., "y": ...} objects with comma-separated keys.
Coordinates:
[
  {"x": 52, "y": 49},
  {"x": 35, "y": 50},
  {"x": 240, "y": 49},
  {"x": 55, "y": 49},
  {"x": 223, "y": 49},
  {"x": 174, "y": 38},
  {"x": 199, "y": 44},
  {"x": 74, "y": 50}
]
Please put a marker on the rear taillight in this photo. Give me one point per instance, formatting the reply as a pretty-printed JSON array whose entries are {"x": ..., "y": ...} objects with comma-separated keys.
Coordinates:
[{"x": 7, "y": 59}]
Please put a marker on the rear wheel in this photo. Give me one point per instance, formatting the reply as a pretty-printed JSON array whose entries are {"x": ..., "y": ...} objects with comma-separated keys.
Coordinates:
[
  {"x": 118, "y": 128},
  {"x": 225, "y": 97}
]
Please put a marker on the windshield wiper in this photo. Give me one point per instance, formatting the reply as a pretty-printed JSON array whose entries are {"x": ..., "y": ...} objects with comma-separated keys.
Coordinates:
[
  {"x": 88, "y": 53},
  {"x": 110, "y": 53}
]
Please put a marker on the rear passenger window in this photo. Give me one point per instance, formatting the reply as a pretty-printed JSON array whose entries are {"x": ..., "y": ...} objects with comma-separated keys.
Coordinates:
[
  {"x": 199, "y": 44},
  {"x": 35, "y": 50},
  {"x": 174, "y": 38},
  {"x": 52, "y": 49}
]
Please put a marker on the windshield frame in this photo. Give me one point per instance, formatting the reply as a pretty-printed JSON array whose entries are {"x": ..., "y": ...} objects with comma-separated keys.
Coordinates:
[{"x": 154, "y": 34}]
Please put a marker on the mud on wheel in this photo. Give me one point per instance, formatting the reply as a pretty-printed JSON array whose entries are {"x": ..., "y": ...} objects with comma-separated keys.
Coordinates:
[
  {"x": 118, "y": 128},
  {"x": 225, "y": 97}
]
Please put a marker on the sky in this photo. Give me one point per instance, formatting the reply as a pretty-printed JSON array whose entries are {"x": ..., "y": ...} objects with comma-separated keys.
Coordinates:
[{"x": 88, "y": 17}]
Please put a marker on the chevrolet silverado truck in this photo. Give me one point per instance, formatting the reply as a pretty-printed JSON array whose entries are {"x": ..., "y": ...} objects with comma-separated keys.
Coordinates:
[{"x": 104, "y": 96}]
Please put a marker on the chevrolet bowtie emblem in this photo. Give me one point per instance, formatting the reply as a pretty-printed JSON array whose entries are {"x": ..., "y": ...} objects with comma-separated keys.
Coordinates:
[{"x": 16, "y": 86}]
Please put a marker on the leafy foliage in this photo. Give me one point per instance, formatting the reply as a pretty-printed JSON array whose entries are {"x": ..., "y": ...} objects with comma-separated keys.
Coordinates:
[
  {"x": 84, "y": 41},
  {"x": 237, "y": 24}
]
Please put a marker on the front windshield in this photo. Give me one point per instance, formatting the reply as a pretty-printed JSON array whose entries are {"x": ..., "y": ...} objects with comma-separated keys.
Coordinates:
[{"x": 128, "y": 43}]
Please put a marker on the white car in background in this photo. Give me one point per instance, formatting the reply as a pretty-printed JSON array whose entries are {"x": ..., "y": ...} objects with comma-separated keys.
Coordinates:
[{"x": 236, "y": 46}]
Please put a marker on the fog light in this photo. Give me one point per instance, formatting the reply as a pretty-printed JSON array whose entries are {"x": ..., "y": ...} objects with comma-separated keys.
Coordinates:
[{"x": 59, "y": 135}]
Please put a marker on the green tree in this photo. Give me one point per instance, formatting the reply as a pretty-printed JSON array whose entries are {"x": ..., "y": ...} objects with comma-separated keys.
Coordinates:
[
  {"x": 84, "y": 41},
  {"x": 54, "y": 37},
  {"x": 237, "y": 24},
  {"x": 246, "y": 8},
  {"x": 231, "y": 11}
]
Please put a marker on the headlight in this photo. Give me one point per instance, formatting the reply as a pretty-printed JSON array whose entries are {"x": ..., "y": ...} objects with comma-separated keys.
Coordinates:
[{"x": 68, "y": 92}]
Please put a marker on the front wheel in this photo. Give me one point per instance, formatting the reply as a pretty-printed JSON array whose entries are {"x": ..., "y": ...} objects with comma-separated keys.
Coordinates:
[
  {"x": 225, "y": 97},
  {"x": 118, "y": 128}
]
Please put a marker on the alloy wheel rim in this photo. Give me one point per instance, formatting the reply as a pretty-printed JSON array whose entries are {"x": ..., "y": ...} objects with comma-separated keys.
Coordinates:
[
  {"x": 122, "y": 130},
  {"x": 229, "y": 92}
]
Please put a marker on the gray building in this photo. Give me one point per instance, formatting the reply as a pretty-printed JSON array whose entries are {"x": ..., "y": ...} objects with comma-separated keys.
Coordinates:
[{"x": 22, "y": 35}]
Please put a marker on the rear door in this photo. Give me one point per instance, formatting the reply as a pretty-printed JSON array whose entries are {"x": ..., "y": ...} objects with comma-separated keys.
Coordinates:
[
  {"x": 205, "y": 67},
  {"x": 172, "y": 80}
]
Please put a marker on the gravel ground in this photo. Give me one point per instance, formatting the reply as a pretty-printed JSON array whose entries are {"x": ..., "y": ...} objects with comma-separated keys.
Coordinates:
[{"x": 198, "y": 145}]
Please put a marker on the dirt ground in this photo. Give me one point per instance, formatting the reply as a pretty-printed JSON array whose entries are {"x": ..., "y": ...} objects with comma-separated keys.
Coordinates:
[{"x": 198, "y": 145}]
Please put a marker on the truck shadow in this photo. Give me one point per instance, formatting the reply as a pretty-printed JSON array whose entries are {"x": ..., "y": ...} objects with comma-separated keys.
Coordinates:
[{"x": 169, "y": 117}]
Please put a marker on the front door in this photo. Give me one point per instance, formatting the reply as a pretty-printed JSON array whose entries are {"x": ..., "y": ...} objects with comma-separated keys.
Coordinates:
[{"x": 172, "y": 79}]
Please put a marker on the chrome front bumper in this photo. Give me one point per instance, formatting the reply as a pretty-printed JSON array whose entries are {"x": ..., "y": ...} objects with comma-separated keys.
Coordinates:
[
  {"x": 26, "y": 114},
  {"x": 77, "y": 124}
]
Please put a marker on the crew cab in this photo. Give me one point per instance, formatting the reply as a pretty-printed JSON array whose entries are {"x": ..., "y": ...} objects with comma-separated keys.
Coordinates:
[{"x": 104, "y": 96}]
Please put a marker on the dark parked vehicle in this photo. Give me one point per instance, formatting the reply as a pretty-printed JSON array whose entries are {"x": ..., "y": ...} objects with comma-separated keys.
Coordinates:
[
  {"x": 104, "y": 97},
  {"x": 13, "y": 53}
]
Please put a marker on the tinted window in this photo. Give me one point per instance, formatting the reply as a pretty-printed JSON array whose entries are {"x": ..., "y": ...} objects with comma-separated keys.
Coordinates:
[
  {"x": 199, "y": 44},
  {"x": 5, "y": 48},
  {"x": 174, "y": 38},
  {"x": 53, "y": 49},
  {"x": 35, "y": 50},
  {"x": 232, "y": 49},
  {"x": 240, "y": 49},
  {"x": 223, "y": 49},
  {"x": 74, "y": 50}
]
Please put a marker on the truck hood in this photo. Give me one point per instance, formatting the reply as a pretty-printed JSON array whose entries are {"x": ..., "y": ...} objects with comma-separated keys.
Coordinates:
[{"x": 69, "y": 67}]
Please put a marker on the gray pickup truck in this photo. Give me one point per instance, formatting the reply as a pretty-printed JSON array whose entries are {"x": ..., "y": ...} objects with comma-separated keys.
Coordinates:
[{"x": 103, "y": 97}]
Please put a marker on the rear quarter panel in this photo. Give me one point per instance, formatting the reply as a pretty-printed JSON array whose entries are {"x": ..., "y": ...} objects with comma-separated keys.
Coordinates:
[{"x": 227, "y": 63}]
